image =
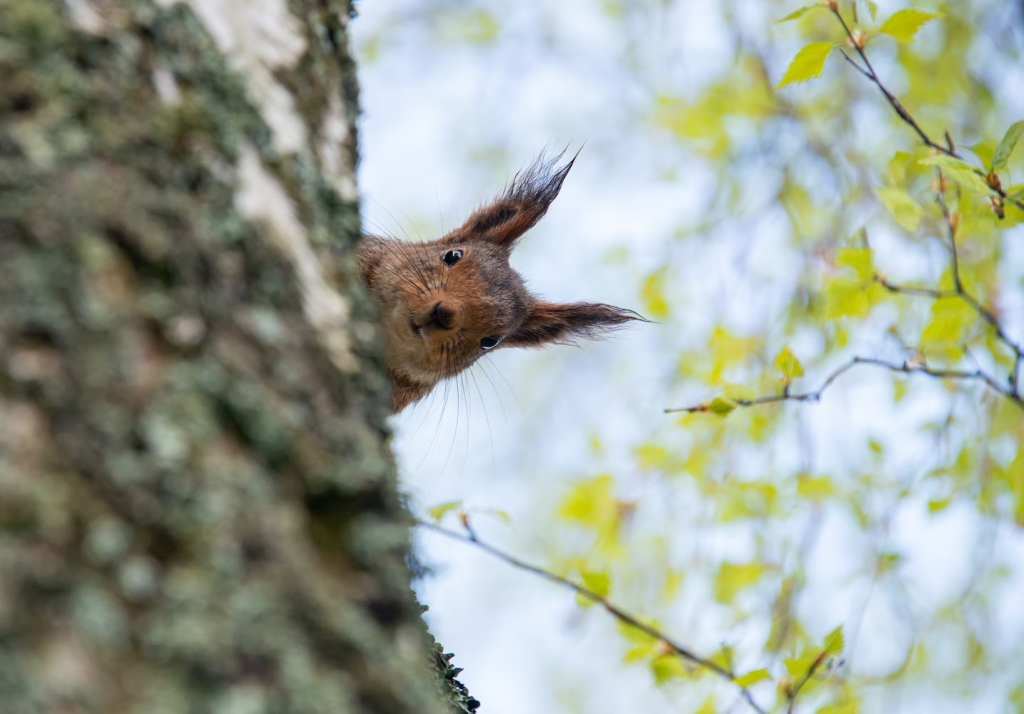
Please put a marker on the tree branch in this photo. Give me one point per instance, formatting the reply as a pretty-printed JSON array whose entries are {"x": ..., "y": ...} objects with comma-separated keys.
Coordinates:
[
  {"x": 471, "y": 538},
  {"x": 959, "y": 292},
  {"x": 983, "y": 312},
  {"x": 907, "y": 367},
  {"x": 902, "y": 111}
]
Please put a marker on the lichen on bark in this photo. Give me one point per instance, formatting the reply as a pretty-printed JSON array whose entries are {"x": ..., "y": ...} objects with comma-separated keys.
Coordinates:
[{"x": 198, "y": 508}]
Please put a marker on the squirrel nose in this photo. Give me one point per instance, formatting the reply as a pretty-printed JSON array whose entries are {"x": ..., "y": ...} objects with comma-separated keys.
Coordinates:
[{"x": 442, "y": 316}]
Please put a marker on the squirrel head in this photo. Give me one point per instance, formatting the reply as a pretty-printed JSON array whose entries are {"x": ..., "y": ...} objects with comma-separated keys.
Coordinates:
[{"x": 446, "y": 303}]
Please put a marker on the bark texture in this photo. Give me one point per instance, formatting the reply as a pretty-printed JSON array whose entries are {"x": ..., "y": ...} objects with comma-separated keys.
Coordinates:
[{"x": 198, "y": 507}]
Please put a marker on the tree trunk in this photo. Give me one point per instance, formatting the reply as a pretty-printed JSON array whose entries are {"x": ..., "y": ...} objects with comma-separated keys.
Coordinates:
[{"x": 198, "y": 508}]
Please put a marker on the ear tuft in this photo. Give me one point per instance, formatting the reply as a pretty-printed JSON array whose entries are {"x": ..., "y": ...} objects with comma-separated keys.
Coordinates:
[
  {"x": 551, "y": 323},
  {"x": 524, "y": 202}
]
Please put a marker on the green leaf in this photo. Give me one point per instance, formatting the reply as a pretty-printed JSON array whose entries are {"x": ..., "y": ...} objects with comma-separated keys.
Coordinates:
[
  {"x": 888, "y": 562},
  {"x": 903, "y": 207},
  {"x": 437, "y": 513},
  {"x": 751, "y": 678},
  {"x": 738, "y": 393},
  {"x": 1007, "y": 145},
  {"x": 640, "y": 653},
  {"x": 597, "y": 583},
  {"x": 814, "y": 489},
  {"x": 709, "y": 707},
  {"x": 635, "y": 635},
  {"x": 850, "y": 298},
  {"x": 800, "y": 666},
  {"x": 797, "y": 14},
  {"x": 666, "y": 668},
  {"x": 872, "y": 9},
  {"x": 808, "y": 64},
  {"x": 733, "y": 578},
  {"x": 653, "y": 295},
  {"x": 859, "y": 259},
  {"x": 834, "y": 642},
  {"x": 904, "y": 24},
  {"x": 951, "y": 318},
  {"x": 590, "y": 502},
  {"x": 1015, "y": 196},
  {"x": 963, "y": 173},
  {"x": 850, "y": 707},
  {"x": 652, "y": 457},
  {"x": 789, "y": 365},
  {"x": 721, "y": 406},
  {"x": 477, "y": 27}
]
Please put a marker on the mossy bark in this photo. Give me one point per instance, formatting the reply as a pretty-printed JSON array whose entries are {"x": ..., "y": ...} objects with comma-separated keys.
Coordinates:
[{"x": 198, "y": 508}]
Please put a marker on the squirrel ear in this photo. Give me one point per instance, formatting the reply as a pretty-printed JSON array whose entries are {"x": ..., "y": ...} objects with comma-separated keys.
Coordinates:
[
  {"x": 524, "y": 202},
  {"x": 551, "y": 323}
]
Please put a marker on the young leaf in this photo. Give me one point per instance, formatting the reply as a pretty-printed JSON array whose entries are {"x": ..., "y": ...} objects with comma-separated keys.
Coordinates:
[
  {"x": 751, "y": 678},
  {"x": 733, "y": 578},
  {"x": 797, "y": 14},
  {"x": 904, "y": 24},
  {"x": 951, "y": 318},
  {"x": 635, "y": 634},
  {"x": 859, "y": 259},
  {"x": 1007, "y": 145},
  {"x": 872, "y": 9},
  {"x": 666, "y": 668},
  {"x": 437, "y": 513},
  {"x": 800, "y": 666},
  {"x": 845, "y": 298},
  {"x": 959, "y": 171},
  {"x": 597, "y": 583},
  {"x": 850, "y": 707},
  {"x": 814, "y": 489},
  {"x": 903, "y": 207},
  {"x": 789, "y": 365},
  {"x": 721, "y": 406},
  {"x": 738, "y": 393},
  {"x": 808, "y": 64},
  {"x": 653, "y": 295},
  {"x": 590, "y": 502},
  {"x": 709, "y": 707},
  {"x": 834, "y": 641}
]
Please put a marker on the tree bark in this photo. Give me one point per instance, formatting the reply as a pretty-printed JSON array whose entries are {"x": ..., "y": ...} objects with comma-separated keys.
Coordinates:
[{"x": 198, "y": 507}]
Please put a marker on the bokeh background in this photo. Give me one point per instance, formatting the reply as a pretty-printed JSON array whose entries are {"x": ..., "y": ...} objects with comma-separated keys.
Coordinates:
[{"x": 720, "y": 208}]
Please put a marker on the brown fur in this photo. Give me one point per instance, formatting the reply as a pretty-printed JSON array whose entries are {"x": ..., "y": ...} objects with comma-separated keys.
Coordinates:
[{"x": 435, "y": 315}]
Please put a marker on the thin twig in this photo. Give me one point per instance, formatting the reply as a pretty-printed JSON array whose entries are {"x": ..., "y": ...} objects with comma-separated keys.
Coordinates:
[
  {"x": 957, "y": 283},
  {"x": 792, "y": 694},
  {"x": 471, "y": 538},
  {"x": 983, "y": 312},
  {"x": 857, "y": 66},
  {"x": 898, "y": 107},
  {"x": 906, "y": 367}
]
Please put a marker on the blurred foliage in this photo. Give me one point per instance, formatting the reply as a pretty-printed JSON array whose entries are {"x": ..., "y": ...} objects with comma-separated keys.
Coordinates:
[{"x": 733, "y": 532}]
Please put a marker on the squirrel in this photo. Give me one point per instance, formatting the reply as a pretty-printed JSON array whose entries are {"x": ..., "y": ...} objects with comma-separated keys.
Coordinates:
[{"x": 445, "y": 303}]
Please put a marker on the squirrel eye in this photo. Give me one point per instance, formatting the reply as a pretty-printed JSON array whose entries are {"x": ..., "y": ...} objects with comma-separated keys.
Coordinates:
[
  {"x": 489, "y": 343},
  {"x": 451, "y": 258}
]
